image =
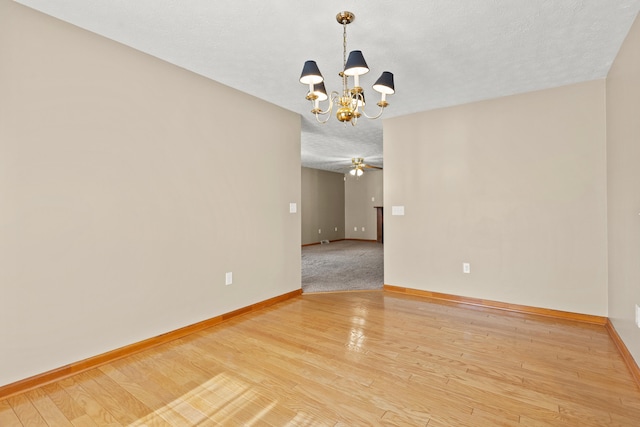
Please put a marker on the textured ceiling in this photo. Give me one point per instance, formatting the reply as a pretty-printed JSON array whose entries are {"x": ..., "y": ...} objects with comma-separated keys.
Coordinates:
[{"x": 442, "y": 52}]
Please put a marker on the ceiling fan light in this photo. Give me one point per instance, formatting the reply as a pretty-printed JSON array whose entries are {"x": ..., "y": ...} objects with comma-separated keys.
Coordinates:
[
  {"x": 359, "y": 172},
  {"x": 311, "y": 74},
  {"x": 384, "y": 84},
  {"x": 356, "y": 65},
  {"x": 352, "y": 172}
]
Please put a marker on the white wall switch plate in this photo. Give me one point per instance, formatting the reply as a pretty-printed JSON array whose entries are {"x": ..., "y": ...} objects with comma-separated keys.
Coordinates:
[
  {"x": 336, "y": 229},
  {"x": 362, "y": 228},
  {"x": 355, "y": 228},
  {"x": 397, "y": 210},
  {"x": 466, "y": 267},
  {"x": 228, "y": 278},
  {"x": 293, "y": 208},
  {"x": 319, "y": 230},
  {"x": 638, "y": 315}
]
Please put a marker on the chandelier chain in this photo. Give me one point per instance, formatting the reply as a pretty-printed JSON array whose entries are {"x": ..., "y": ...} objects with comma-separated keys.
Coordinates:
[
  {"x": 344, "y": 56},
  {"x": 344, "y": 45}
]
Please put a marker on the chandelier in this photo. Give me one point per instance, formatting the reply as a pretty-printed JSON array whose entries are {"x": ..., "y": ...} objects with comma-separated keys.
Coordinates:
[{"x": 351, "y": 102}]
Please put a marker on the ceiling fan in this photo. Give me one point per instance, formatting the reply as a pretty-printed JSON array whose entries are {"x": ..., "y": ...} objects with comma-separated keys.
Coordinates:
[{"x": 358, "y": 166}]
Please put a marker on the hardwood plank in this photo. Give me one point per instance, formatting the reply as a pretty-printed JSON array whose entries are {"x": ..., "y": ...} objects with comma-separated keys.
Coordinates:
[
  {"x": 400, "y": 418},
  {"x": 495, "y": 416},
  {"x": 116, "y": 399},
  {"x": 163, "y": 417},
  {"x": 26, "y": 412},
  {"x": 65, "y": 403},
  {"x": 530, "y": 422},
  {"x": 51, "y": 414},
  {"x": 366, "y": 358},
  {"x": 7, "y": 415},
  {"x": 83, "y": 421},
  {"x": 159, "y": 387},
  {"x": 98, "y": 414}
]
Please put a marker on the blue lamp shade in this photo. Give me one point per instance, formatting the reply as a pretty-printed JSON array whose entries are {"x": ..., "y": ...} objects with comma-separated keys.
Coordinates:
[
  {"x": 356, "y": 65},
  {"x": 384, "y": 84},
  {"x": 320, "y": 91},
  {"x": 311, "y": 74}
]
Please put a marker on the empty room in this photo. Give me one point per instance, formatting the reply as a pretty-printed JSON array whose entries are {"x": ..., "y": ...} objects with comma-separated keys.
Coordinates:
[{"x": 164, "y": 166}]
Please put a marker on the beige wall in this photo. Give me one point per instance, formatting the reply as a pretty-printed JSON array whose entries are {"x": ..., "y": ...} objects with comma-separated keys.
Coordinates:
[
  {"x": 623, "y": 189},
  {"x": 128, "y": 187},
  {"x": 330, "y": 201},
  {"x": 361, "y": 195},
  {"x": 322, "y": 205},
  {"x": 515, "y": 186}
]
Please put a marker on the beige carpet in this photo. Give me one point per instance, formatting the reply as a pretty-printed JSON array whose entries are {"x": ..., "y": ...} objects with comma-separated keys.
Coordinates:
[{"x": 342, "y": 266}]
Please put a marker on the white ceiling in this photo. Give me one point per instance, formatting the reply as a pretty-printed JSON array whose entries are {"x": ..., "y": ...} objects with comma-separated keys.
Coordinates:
[{"x": 442, "y": 52}]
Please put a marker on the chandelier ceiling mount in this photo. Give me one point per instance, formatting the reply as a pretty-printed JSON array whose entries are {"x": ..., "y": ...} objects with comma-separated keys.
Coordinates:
[{"x": 345, "y": 17}]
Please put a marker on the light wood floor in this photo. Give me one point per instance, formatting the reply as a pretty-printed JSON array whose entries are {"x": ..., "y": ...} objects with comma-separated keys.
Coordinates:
[{"x": 364, "y": 358}]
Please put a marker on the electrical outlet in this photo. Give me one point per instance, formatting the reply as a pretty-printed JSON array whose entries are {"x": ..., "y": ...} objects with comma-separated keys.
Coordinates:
[
  {"x": 336, "y": 229},
  {"x": 466, "y": 267},
  {"x": 362, "y": 228},
  {"x": 319, "y": 230},
  {"x": 355, "y": 228},
  {"x": 228, "y": 278}
]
